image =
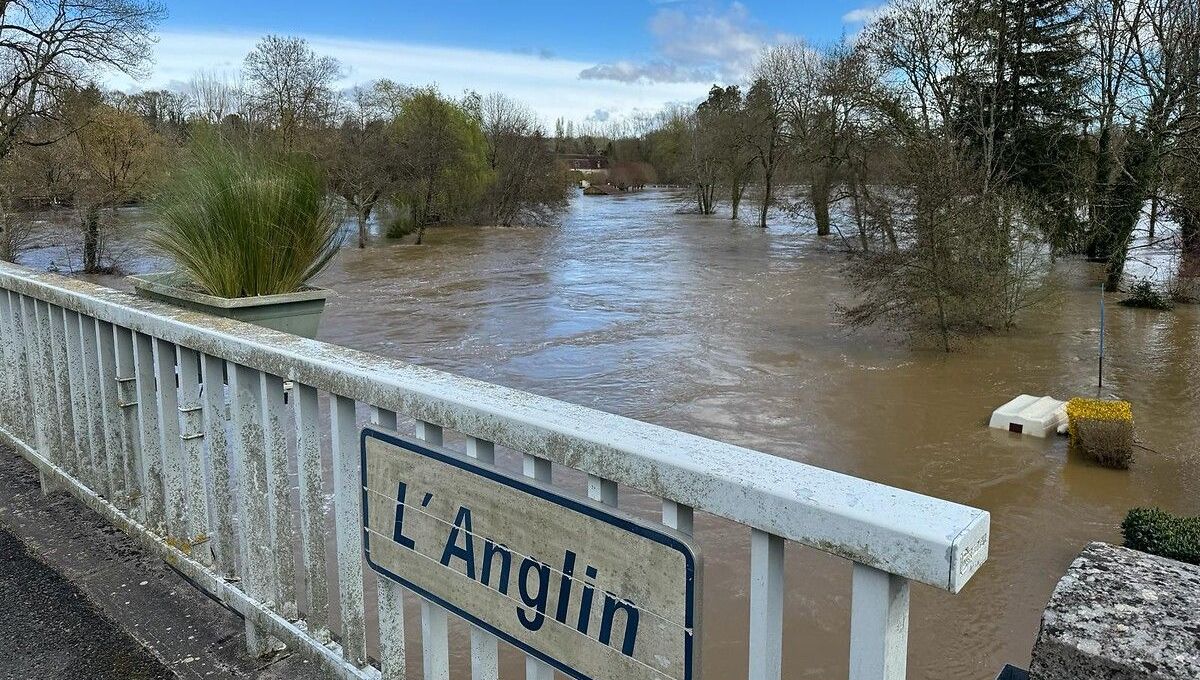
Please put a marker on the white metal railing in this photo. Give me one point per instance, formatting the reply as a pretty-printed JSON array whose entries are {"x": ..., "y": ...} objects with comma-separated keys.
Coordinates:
[{"x": 174, "y": 426}]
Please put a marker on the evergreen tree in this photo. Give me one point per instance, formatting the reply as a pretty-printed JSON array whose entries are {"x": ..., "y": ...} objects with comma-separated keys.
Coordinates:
[{"x": 1021, "y": 98}]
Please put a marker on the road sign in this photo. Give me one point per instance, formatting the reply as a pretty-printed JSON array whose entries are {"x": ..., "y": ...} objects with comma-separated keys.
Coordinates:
[{"x": 586, "y": 588}]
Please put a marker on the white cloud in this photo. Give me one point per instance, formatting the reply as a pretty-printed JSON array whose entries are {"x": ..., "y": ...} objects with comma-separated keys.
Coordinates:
[
  {"x": 693, "y": 48},
  {"x": 863, "y": 15},
  {"x": 551, "y": 86}
]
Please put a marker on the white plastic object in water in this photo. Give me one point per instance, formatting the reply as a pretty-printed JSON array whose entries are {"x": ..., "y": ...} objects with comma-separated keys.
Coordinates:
[{"x": 1027, "y": 414}]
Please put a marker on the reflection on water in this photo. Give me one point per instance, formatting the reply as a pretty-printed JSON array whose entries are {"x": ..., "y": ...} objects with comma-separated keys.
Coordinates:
[{"x": 726, "y": 330}]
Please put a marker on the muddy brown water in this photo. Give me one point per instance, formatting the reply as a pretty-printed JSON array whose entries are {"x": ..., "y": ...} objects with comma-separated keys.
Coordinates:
[{"x": 728, "y": 331}]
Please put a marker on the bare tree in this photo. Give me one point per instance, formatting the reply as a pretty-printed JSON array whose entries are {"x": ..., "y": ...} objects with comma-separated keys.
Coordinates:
[
  {"x": 213, "y": 95},
  {"x": 767, "y": 102},
  {"x": 16, "y": 227},
  {"x": 362, "y": 158},
  {"x": 526, "y": 183},
  {"x": 923, "y": 53},
  {"x": 967, "y": 260},
  {"x": 291, "y": 85},
  {"x": 48, "y": 47},
  {"x": 119, "y": 153},
  {"x": 1159, "y": 110}
]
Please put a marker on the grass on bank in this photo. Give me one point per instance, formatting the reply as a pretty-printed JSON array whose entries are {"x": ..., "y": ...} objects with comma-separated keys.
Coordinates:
[{"x": 241, "y": 223}]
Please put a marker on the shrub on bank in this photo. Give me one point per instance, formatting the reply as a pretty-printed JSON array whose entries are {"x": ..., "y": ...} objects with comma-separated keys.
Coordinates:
[
  {"x": 1145, "y": 295},
  {"x": 1157, "y": 532},
  {"x": 1102, "y": 429}
]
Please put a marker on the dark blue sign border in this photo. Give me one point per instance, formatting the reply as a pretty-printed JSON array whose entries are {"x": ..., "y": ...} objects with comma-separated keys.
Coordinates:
[{"x": 589, "y": 509}]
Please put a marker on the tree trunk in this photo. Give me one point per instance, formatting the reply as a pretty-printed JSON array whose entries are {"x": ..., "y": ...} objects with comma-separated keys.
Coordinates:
[
  {"x": 1153, "y": 212},
  {"x": 820, "y": 201},
  {"x": 1124, "y": 207},
  {"x": 362, "y": 228},
  {"x": 766, "y": 200},
  {"x": 91, "y": 240},
  {"x": 1189, "y": 231},
  {"x": 735, "y": 200},
  {"x": 704, "y": 194},
  {"x": 863, "y": 239},
  {"x": 1097, "y": 212}
]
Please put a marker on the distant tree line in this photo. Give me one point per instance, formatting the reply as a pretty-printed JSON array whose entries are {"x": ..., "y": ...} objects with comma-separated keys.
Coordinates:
[
  {"x": 965, "y": 144},
  {"x": 421, "y": 156},
  {"x": 956, "y": 147}
]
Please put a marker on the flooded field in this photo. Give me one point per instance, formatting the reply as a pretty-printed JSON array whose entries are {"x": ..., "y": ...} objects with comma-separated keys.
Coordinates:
[{"x": 729, "y": 331}]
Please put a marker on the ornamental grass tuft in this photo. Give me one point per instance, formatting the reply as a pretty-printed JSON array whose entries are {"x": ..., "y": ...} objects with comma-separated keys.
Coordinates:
[
  {"x": 1102, "y": 429},
  {"x": 241, "y": 223}
]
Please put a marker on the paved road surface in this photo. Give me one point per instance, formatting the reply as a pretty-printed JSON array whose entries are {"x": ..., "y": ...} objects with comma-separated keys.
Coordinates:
[
  {"x": 80, "y": 600},
  {"x": 49, "y": 629}
]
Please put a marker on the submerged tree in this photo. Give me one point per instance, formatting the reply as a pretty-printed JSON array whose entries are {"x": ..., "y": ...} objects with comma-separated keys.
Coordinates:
[
  {"x": 967, "y": 260},
  {"x": 723, "y": 121},
  {"x": 443, "y": 158},
  {"x": 362, "y": 157},
  {"x": 120, "y": 154},
  {"x": 526, "y": 184},
  {"x": 766, "y": 130}
]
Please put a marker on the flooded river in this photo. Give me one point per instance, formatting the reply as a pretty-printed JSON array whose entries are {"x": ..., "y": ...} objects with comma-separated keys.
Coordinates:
[{"x": 728, "y": 331}]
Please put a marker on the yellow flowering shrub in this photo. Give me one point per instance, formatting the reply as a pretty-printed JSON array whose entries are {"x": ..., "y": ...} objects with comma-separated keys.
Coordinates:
[
  {"x": 1102, "y": 429},
  {"x": 1108, "y": 410}
]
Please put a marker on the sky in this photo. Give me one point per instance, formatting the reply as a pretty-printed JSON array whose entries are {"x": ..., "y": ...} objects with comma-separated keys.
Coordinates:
[{"x": 582, "y": 61}]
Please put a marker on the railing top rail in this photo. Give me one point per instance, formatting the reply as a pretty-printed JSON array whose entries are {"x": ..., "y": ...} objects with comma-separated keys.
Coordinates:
[{"x": 925, "y": 539}]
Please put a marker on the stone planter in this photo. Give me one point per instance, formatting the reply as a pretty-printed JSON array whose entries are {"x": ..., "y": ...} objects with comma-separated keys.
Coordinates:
[{"x": 297, "y": 313}]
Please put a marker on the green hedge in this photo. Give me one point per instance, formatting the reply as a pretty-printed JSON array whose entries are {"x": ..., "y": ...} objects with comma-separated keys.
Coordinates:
[{"x": 1160, "y": 533}]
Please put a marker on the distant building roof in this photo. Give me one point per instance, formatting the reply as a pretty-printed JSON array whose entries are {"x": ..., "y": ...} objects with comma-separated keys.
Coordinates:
[{"x": 581, "y": 161}]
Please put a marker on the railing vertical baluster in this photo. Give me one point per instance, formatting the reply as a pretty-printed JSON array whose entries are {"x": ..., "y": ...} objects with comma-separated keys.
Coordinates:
[
  {"x": 435, "y": 625},
  {"x": 541, "y": 470},
  {"x": 147, "y": 408},
  {"x": 485, "y": 652},
  {"x": 279, "y": 494},
  {"x": 32, "y": 366},
  {"x": 20, "y": 369},
  {"x": 64, "y": 455},
  {"x": 51, "y": 432},
  {"x": 224, "y": 503},
  {"x": 78, "y": 389},
  {"x": 393, "y": 660},
  {"x": 127, "y": 403},
  {"x": 102, "y": 458},
  {"x": 114, "y": 442},
  {"x": 766, "y": 605},
  {"x": 167, "y": 401},
  {"x": 312, "y": 508},
  {"x": 250, "y": 468},
  {"x": 347, "y": 490},
  {"x": 10, "y": 403},
  {"x": 603, "y": 490},
  {"x": 191, "y": 435},
  {"x": 62, "y": 391},
  {"x": 677, "y": 516},
  {"x": 878, "y": 625}
]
